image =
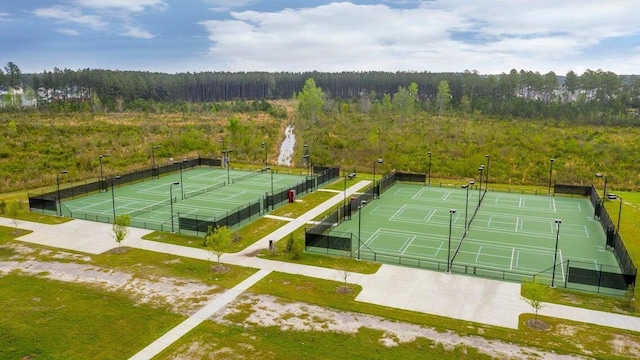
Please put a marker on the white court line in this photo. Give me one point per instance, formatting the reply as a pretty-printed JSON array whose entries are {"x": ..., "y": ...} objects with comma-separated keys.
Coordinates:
[
  {"x": 400, "y": 211},
  {"x": 554, "y": 205},
  {"x": 561, "y": 267},
  {"x": 520, "y": 204},
  {"x": 419, "y": 193},
  {"x": 478, "y": 254},
  {"x": 513, "y": 251},
  {"x": 406, "y": 246},
  {"x": 439, "y": 247},
  {"x": 446, "y": 195},
  {"x": 517, "y": 223},
  {"x": 430, "y": 216},
  {"x": 579, "y": 207},
  {"x": 497, "y": 197},
  {"x": 585, "y": 230},
  {"x": 427, "y": 216},
  {"x": 489, "y": 222},
  {"x": 518, "y": 259}
]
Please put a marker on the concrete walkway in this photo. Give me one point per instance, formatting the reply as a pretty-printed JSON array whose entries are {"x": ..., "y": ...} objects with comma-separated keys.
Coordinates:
[
  {"x": 194, "y": 320},
  {"x": 456, "y": 296}
]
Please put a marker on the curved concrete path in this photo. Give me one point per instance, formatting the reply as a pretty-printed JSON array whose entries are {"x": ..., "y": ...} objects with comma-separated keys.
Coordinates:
[{"x": 456, "y": 296}]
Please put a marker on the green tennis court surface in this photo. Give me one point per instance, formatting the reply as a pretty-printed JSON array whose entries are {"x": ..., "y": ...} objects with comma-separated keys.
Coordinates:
[
  {"x": 510, "y": 233},
  {"x": 203, "y": 192}
]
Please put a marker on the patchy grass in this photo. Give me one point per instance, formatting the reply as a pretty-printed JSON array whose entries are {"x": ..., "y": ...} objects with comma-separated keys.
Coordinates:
[
  {"x": 247, "y": 235},
  {"x": 600, "y": 302},
  {"x": 211, "y": 340},
  {"x": 146, "y": 264},
  {"x": 46, "y": 319}
]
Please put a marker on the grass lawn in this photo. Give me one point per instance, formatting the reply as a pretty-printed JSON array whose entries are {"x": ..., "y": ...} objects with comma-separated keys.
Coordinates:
[
  {"x": 46, "y": 319},
  {"x": 241, "y": 341}
]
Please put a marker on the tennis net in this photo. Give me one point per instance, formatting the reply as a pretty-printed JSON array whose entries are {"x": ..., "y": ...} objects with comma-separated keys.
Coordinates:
[
  {"x": 248, "y": 176},
  {"x": 150, "y": 208},
  {"x": 203, "y": 190}
]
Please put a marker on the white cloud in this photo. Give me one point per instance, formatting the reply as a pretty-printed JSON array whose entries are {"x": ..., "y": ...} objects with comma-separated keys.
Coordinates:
[
  {"x": 5, "y": 16},
  {"x": 71, "y": 15},
  {"x": 70, "y": 32},
  {"x": 227, "y": 5},
  {"x": 124, "y": 5},
  {"x": 491, "y": 36},
  {"x": 135, "y": 32}
]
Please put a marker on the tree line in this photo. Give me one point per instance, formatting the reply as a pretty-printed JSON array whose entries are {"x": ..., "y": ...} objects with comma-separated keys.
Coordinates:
[{"x": 596, "y": 96}]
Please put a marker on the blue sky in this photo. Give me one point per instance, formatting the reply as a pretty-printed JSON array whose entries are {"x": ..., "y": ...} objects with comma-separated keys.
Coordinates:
[{"x": 490, "y": 36}]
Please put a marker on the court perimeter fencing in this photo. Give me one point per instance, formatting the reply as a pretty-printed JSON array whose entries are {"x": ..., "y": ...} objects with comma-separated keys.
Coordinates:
[
  {"x": 51, "y": 201},
  {"x": 579, "y": 276}
]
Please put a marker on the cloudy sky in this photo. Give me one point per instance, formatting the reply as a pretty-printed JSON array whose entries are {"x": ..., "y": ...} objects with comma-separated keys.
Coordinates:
[{"x": 490, "y": 36}]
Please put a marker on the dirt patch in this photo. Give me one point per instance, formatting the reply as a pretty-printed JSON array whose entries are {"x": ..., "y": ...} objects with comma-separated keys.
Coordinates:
[
  {"x": 537, "y": 324},
  {"x": 220, "y": 269},
  {"x": 118, "y": 250},
  {"x": 343, "y": 289},
  {"x": 625, "y": 346},
  {"x": 179, "y": 295},
  {"x": 267, "y": 311}
]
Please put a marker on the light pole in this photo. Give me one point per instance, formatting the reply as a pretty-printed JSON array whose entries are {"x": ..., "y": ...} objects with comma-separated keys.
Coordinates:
[
  {"x": 604, "y": 196},
  {"x": 451, "y": 212},
  {"x": 429, "y": 167},
  {"x": 307, "y": 158},
  {"x": 550, "y": 174},
  {"x": 171, "y": 202},
  {"x": 264, "y": 145},
  {"x": 113, "y": 197},
  {"x": 59, "y": 204},
  {"x": 102, "y": 187},
  {"x": 360, "y": 224},
  {"x": 379, "y": 161},
  {"x": 480, "y": 185},
  {"x": 225, "y": 154},
  {"x": 613, "y": 197},
  {"x": 154, "y": 170},
  {"x": 222, "y": 161},
  {"x": 555, "y": 254},
  {"x": 466, "y": 205},
  {"x": 271, "y": 171},
  {"x": 345, "y": 191},
  {"x": 486, "y": 183},
  {"x": 179, "y": 163}
]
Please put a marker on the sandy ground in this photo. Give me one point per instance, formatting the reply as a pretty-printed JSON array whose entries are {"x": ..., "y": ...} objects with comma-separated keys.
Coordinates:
[{"x": 186, "y": 297}]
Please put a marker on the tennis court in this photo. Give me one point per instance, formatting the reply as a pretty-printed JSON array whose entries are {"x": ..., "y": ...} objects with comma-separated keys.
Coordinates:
[
  {"x": 203, "y": 193},
  {"x": 512, "y": 233}
]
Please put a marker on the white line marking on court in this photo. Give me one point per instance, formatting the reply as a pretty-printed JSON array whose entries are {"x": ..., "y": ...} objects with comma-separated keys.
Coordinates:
[
  {"x": 595, "y": 262},
  {"x": 438, "y": 250},
  {"x": 419, "y": 193},
  {"x": 518, "y": 259},
  {"x": 554, "y": 205},
  {"x": 489, "y": 222},
  {"x": 521, "y": 204},
  {"x": 405, "y": 245},
  {"x": 478, "y": 254},
  {"x": 517, "y": 223},
  {"x": 497, "y": 197},
  {"x": 446, "y": 195},
  {"x": 397, "y": 213},
  {"x": 579, "y": 207},
  {"x": 430, "y": 216},
  {"x": 586, "y": 231},
  {"x": 513, "y": 251},
  {"x": 427, "y": 216}
]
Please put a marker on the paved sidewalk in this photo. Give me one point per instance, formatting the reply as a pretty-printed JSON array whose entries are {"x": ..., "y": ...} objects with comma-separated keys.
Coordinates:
[
  {"x": 201, "y": 315},
  {"x": 455, "y": 296}
]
